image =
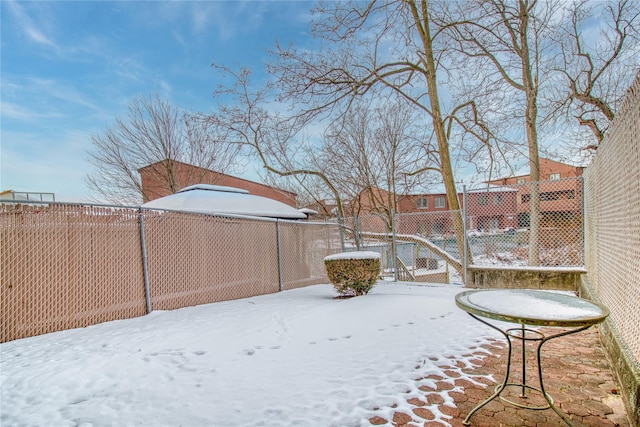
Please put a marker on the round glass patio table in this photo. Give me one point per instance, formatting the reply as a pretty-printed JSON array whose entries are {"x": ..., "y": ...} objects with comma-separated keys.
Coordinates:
[{"x": 529, "y": 308}]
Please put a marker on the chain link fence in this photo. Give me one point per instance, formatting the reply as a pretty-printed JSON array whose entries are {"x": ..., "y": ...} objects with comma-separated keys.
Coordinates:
[
  {"x": 500, "y": 231},
  {"x": 371, "y": 233},
  {"x": 612, "y": 198},
  {"x": 423, "y": 246},
  {"x": 421, "y": 238},
  {"x": 65, "y": 266}
]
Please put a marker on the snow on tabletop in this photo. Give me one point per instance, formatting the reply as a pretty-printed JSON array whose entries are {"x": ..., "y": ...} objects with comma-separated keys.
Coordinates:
[
  {"x": 354, "y": 255},
  {"x": 298, "y": 357},
  {"x": 534, "y": 304}
]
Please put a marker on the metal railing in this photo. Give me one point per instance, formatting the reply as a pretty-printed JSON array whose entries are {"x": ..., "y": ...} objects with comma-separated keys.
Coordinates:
[{"x": 497, "y": 231}]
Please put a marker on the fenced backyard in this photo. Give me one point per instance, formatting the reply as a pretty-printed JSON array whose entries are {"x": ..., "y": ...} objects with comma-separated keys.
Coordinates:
[{"x": 65, "y": 266}]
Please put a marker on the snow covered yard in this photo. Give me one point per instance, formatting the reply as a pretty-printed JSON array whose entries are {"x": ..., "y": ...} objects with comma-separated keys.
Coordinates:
[{"x": 298, "y": 357}]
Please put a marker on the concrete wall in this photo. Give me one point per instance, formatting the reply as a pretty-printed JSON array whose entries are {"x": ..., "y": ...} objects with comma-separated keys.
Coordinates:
[{"x": 565, "y": 279}]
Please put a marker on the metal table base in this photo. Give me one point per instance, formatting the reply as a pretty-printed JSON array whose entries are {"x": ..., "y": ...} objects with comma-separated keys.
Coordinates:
[{"x": 523, "y": 334}]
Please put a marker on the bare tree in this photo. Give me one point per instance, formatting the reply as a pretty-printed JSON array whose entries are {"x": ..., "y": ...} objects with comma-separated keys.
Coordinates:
[
  {"x": 379, "y": 48},
  {"x": 370, "y": 150},
  {"x": 251, "y": 121},
  {"x": 368, "y": 147},
  {"x": 513, "y": 51},
  {"x": 153, "y": 133},
  {"x": 598, "y": 68},
  {"x": 505, "y": 43}
]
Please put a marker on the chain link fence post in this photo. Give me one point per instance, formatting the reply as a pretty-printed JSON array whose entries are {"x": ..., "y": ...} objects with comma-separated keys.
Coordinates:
[
  {"x": 279, "y": 255},
  {"x": 393, "y": 247},
  {"x": 145, "y": 268},
  {"x": 465, "y": 238}
]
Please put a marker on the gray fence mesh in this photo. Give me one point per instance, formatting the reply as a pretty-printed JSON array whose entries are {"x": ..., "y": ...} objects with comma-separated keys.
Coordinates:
[
  {"x": 612, "y": 199},
  {"x": 370, "y": 233},
  {"x": 421, "y": 256},
  {"x": 498, "y": 232},
  {"x": 499, "y": 225}
]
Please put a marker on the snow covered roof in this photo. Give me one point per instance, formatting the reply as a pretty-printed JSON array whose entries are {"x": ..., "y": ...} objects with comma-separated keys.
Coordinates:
[
  {"x": 217, "y": 199},
  {"x": 472, "y": 187},
  {"x": 308, "y": 211},
  {"x": 484, "y": 188}
]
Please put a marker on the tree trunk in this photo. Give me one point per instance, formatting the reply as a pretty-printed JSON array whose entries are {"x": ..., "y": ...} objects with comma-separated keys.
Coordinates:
[
  {"x": 439, "y": 128},
  {"x": 530, "y": 86}
]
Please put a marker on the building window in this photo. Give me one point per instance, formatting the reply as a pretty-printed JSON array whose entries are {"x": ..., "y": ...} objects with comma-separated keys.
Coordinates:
[
  {"x": 553, "y": 195},
  {"x": 497, "y": 199},
  {"x": 483, "y": 199},
  {"x": 554, "y": 177},
  {"x": 422, "y": 203},
  {"x": 521, "y": 181},
  {"x": 439, "y": 202}
]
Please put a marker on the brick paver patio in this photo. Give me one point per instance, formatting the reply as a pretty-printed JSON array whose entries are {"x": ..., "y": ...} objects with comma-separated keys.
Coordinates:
[{"x": 577, "y": 376}]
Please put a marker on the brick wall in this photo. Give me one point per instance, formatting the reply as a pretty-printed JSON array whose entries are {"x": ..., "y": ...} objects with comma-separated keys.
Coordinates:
[{"x": 167, "y": 177}]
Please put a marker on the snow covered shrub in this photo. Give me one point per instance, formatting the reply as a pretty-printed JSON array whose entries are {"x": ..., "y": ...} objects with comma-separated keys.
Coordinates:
[{"x": 353, "y": 273}]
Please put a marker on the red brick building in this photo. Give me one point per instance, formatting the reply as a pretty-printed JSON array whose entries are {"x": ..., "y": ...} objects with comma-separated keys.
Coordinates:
[
  {"x": 168, "y": 176},
  {"x": 550, "y": 170},
  {"x": 560, "y": 193},
  {"x": 488, "y": 208}
]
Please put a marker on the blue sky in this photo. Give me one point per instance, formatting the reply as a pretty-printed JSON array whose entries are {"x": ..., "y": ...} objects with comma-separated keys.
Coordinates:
[{"x": 68, "y": 69}]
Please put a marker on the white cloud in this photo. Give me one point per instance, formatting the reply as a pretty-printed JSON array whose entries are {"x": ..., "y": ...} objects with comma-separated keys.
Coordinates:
[
  {"x": 19, "y": 112},
  {"x": 31, "y": 29},
  {"x": 61, "y": 91},
  {"x": 228, "y": 18},
  {"x": 165, "y": 87},
  {"x": 38, "y": 37}
]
